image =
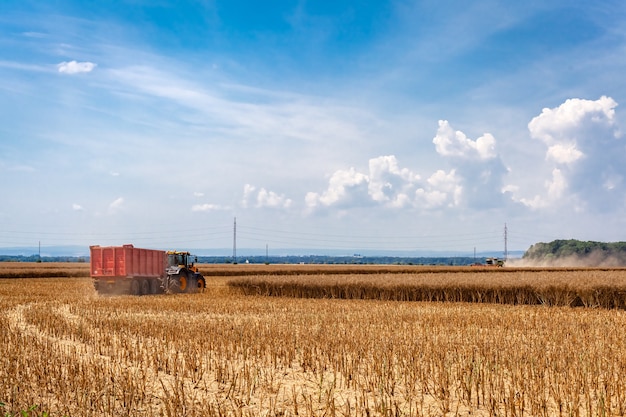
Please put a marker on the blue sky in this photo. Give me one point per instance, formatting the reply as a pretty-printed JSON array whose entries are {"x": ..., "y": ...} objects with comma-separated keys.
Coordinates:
[{"x": 352, "y": 126}]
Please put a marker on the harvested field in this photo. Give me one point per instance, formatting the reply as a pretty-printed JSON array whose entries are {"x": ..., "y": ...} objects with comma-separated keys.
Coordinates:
[{"x": 68, "y": 351}]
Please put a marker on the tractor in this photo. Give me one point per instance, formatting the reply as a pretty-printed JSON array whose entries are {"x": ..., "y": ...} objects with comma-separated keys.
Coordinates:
[
  {"x": 182, "y": 273},
  {"x": 494, "y": 262}
]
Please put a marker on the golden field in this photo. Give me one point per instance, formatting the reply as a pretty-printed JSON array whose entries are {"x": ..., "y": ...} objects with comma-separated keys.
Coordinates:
[{"x": 68, "y": 351}]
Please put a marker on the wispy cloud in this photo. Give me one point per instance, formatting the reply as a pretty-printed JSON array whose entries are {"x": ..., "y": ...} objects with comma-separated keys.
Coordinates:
[
  {"x": 208, "y": 207},
  {"x": 116, "y": 205},
  {"x": 244, "y": 111},
  {"x": 25, "y": 67}
]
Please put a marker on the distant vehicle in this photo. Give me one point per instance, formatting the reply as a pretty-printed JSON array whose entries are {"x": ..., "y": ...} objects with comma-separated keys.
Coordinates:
[
  {"x": 494, "y": 262},
  {"x": 497, "y": 262},
  {"x": 129, "y": 270}
]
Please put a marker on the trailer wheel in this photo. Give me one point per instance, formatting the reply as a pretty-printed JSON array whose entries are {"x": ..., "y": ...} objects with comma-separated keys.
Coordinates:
[
  {"x": 101, "y": 287},
  {"x": 154, "y": 286},
  {"x": 135, "y": 287},
  {"x": 145, "y": 287}
]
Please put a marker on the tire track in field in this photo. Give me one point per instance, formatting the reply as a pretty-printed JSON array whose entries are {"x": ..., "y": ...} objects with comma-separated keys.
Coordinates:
[
  {"x": 158, "y": 383},
  {"x": 163, "y": 389},
  {"x": 18, "y": 322}
]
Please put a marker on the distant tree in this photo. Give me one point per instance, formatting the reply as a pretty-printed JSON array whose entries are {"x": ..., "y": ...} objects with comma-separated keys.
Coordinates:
[{"x": 613, "y": 253}]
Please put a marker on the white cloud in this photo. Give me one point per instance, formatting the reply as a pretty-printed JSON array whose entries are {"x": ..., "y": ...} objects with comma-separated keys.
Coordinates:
[
  {"x": 343, "y": 187},
  {"x": 584, "y": 146},
  {"x": 430, "y": 199},
  {"x": 478, "y": 169},
  {"x": 198, "y": 194},
  {"x": 77, "y": 207},
  {"x": 264, "y": 198},
  {"x": 271, "y": 199},
  {"x": 564, "y": 153},
  {"x": 449, "y": 142},
  {"x": 74, "y": 67},
  {"x": 446, "y": 186},
  {"x": 555, "y": 188},
  {"x": 474, "y": 180},
  {"x": 207, "y": 207},
  {"x": 568, "y": 121},
  {"x": 388, "y": 183},
  {"x": 247, "y": 193}
]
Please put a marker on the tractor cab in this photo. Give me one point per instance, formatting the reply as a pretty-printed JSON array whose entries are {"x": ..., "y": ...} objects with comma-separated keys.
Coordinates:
[{"x": 181, "y": 260}]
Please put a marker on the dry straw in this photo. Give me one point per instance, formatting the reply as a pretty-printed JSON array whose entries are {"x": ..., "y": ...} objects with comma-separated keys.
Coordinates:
[{"x": 221, "y": 353}]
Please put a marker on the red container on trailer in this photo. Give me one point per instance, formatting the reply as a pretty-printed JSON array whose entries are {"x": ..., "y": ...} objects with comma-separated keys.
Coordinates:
[{"x": 118, "y": 266}]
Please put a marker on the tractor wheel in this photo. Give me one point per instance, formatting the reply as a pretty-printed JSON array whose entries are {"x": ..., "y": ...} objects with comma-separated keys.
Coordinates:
[
  {"x": 176, "y": 284},
  {"x": 192, "y": 285},
  {"x": 145, "y": 287},
  {"x": 135, "y": 287},
  {"x": 201, "y": 283},
  {"x": 183, "y": 282}
]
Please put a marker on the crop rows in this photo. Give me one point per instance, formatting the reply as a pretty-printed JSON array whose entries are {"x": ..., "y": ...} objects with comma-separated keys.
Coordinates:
[
  {"x": 583, "y": 287},
  {"x": 43, "y": 270},
  {"x": 223, "y": 353}
]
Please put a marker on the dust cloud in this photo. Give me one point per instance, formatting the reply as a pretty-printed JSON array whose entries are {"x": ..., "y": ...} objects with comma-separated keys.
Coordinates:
[{"x": 592, "y": 259}]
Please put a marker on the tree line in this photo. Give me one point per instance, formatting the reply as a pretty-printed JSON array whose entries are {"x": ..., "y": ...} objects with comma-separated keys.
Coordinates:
[{"x": 572, "y": 248}]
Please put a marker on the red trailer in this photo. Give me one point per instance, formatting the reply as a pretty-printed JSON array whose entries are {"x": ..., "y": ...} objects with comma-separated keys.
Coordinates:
[{"x": 127, "y": 270}]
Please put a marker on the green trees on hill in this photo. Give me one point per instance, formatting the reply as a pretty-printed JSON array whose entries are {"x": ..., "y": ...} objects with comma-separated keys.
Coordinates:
[{"x": 597, "y": 252}]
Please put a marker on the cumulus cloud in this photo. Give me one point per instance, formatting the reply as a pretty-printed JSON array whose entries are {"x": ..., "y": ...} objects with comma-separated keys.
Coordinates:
[
  {"x": 583, "y": 160},
  {"x": 571, "y": 119},
  {"x": 564, "y": 153},
  {"x": 555, "y": 187},
  {"x": 478, "y": 169},
  {"x": 587, "y": 153},
  {"x": 74, "y": 67},
  {"x": 343, "y": 187},
  {"x": 473, "y": 178},
  {"x": 388, "y": 185},
  {"x": 444, "y": 189},
  {"x": 449, "y": 142},
  {"x": 264, "y": 198},
  {"x": 567, "y": 129}
]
